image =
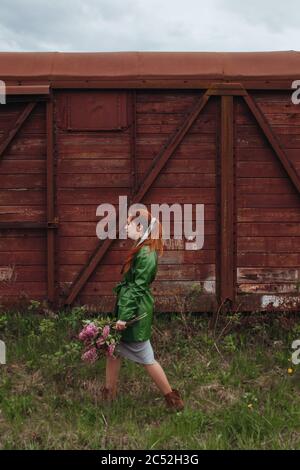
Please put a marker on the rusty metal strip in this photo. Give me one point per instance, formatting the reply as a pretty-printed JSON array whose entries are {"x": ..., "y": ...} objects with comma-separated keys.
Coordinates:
[
  {"x": 273, "y": 140},
  {"x": 50, "y": 203},
  {"x": 27, "y": 90},
  {"x": 222, "y": 92},
  {"x": 227, "y": 287},
  {"x": 169, "y": 84},
  {"x": 229, "y": 88},
  {"x": 158, "y": 163},
  {"x": 17, "y": 125}
]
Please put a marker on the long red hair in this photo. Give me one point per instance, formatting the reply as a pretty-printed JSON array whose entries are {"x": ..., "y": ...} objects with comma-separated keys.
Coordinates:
[{"x": 155, "y": 242}]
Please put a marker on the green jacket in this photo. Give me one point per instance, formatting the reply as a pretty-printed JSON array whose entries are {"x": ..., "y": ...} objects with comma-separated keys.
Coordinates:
[{"x": 134, "y": 295}]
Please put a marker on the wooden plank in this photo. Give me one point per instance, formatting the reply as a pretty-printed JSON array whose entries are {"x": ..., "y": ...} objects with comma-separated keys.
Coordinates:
[
  {"x": 177, "y": 257},
  {"x": 267, "y": 302},
  {"x": 24, "y": 258},
  {"x": 26, "y": 180},
  {"x": 112, "y": 166},
  {"x": 281, "y": 119},
  {"x": 276, "y": 260},
  {"x": 27, "y": 214},
  {"x": 33, "y": 147},
  {"x": 247, "y": 169},
  {"x": 22, "y": 274},
  {"x": 22, "y": 242},
  {"x": 269, "y": 244},
  {"x": 273, "y": 287},
  {"x": 268, "y": 214},
  {"x": 171, "y": 288},
  {"x": 203, "y": 303},
  {"x": 167, "y": 272},
  {"x": 15, "y": 167},
  {"x": 269, "y": 200},
  {"x": 260, "y": 275},
  {"x": 23, "y": 225},
  {"x": 269, "y": 229},
  {"x": 22, "y": 197},
  {"x": 265, "y": 154},
  {"x": 154, "y": 122},
  {"x": 97, "y": 196},
  {"x": 262, "y": 185},
  {"x": 29, "y": 289},
  {"x": 110, "y": 180},
  {"x": 253, "y": 129},
  {"x": 166, "y": 103},
  {"x": 177, "y": 165}
]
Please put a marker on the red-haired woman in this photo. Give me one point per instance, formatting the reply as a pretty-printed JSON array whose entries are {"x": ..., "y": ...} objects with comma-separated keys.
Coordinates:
[{"x": 134, "y": 297}]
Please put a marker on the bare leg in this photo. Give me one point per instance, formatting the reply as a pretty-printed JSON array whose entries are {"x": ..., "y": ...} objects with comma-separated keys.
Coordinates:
[
  {"x": 156, "y": 372},
  {"x": 112, "y": 372}
]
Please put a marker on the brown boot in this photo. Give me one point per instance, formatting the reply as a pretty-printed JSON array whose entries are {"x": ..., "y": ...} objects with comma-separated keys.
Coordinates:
[
  {"x": 107, "y": 394},
  {"x": 173, "y": 400}
]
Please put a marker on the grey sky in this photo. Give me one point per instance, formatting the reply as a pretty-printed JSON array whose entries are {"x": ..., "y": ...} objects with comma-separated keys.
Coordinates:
[{"x": 149, "y": 25}]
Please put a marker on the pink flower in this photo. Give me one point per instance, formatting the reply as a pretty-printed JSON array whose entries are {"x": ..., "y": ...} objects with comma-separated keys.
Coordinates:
[
  {"x": 105, "y": 331},
  {"x": 100, "y": 342},
  {"x": 110, "y": 349},
  {"x": 90, "y": 356},
  {"x": 88, "y": 332}
]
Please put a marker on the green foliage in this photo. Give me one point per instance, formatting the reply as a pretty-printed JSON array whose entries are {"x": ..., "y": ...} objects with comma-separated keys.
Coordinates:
[
  {"x": 16, "y": 408},
  {"x": 3, "y": 322},
  {"x": 73, "y": 318},
  {"x": 62, "y": 359},
  {"x": 47, "y": 327},
  {"x": 34, "y": 305},
  {"x": 230, "y": 343}
]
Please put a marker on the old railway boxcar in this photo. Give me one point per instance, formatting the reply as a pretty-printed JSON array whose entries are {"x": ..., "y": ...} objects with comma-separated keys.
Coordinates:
[{"x": 219, "y": 129}]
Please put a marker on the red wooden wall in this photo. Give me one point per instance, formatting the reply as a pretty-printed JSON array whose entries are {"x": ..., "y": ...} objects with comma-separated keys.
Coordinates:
[{"x": 233, "y": 151}]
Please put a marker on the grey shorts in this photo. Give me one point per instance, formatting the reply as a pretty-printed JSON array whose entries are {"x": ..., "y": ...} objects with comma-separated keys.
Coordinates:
[{"x": 137, "y": 351}]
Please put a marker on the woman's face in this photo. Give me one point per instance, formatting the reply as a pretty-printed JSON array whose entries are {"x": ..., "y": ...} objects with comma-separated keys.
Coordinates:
[{"x": 133, "y": 231}]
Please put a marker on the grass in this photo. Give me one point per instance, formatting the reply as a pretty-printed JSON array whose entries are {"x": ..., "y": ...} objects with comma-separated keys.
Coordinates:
[{"x": 236, "y": 386}]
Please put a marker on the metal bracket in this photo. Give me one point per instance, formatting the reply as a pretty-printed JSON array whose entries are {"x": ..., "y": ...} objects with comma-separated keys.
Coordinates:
[{"x": 53, "y": 223}]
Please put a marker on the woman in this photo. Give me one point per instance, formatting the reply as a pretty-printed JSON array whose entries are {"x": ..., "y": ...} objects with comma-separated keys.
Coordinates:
[{"x": 134, "y": 297}]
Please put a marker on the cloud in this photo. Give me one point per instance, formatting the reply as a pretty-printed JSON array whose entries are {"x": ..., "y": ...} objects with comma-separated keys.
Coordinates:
[
  {"x": 152, "y": 25},
  {"x": 275, "y": 16}
]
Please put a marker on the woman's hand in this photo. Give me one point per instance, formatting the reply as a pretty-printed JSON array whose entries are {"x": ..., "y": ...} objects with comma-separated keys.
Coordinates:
[{"x": 120, "y": 325}]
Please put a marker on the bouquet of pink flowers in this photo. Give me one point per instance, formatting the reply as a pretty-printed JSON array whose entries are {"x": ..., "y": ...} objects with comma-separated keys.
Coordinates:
[{"x": 100, "y": 337}]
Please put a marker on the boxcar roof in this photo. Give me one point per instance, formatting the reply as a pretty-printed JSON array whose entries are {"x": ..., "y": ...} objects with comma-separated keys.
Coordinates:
[{"x": 97, "y": 65}]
